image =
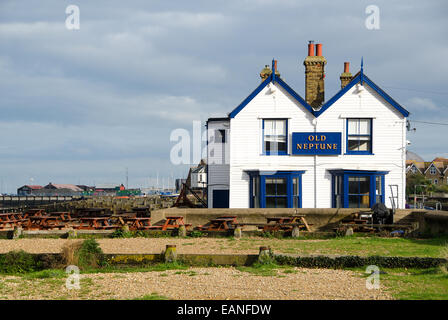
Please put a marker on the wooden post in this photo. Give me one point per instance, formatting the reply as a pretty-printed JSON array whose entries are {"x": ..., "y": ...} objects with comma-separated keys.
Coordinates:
[
  {"x": 265, "y": 255},
  {"x": 170, "y": 253}
]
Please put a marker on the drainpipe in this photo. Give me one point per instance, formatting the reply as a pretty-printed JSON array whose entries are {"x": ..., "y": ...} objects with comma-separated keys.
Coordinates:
[{"x": 315, "y": 167}]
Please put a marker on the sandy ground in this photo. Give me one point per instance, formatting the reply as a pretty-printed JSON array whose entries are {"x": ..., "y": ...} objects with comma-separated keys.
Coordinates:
[{"x": 199, "y": 283}]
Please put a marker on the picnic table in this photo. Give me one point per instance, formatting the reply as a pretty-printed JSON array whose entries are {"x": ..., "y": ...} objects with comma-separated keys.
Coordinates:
[
  {"x": 136, "y": 223},
  {"x": 33, "y": 212},
  {"x": 171, "y": 222},
  {"x": 65, "y": 216},
  {"x": 45, "y": 222},
  {"x": 286, "y": 223},
  {"x": 12, "y": 219},
  {"x": 95, "y": 223},
  {"x": 222, "y": 223}
]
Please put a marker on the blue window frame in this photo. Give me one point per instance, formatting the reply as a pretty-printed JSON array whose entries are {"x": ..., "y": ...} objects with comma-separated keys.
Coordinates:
[
  {"x": 275, "y": 136},
  {"x": 359, "y": 136},
  {"x": 357, "y": 188},
  {"x": 282, "y": 189}
]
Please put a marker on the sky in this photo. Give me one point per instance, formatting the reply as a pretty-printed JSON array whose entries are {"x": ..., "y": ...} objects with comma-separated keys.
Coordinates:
[{"x": 87, "y": 105}]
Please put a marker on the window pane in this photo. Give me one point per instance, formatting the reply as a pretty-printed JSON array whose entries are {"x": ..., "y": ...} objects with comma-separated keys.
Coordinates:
[
  {"x": 270, "y": 187},
  {"x": 281, "y": 187},
  {"x": 270, "y": 202},
  {"x": 379, "y": 188},
  {"x": 364, "y": 126},
  {"x": 281, "y": 202},
  {"x": 353, "y": 185},
  {"x": 269, "y": 127},
  {"x": 353, "y": 201},
  {"x": 364, "y": 185},
  {"x": 352, "y": 126},
  {"x": 280, "y": 127},
  {"x": 353, "y": 144}
]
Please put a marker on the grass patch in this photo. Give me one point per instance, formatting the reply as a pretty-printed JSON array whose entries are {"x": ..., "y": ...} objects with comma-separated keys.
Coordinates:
[
  {"x": 46, "y": 274},
  {"x": 152, "y": 296},
  {"x": 17, "y": 262},
  {"x": 416, "y": 284},
  {"x": 266, "y": 269}
]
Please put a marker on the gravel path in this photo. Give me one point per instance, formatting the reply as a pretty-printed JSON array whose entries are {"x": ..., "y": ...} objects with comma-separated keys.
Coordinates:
[
  {"x": 131, "y": 245},
  {"x": 200, "y": 283}
]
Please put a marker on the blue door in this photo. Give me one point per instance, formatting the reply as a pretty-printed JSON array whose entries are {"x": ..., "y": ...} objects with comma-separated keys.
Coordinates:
[{"x": 220, "y": 198}]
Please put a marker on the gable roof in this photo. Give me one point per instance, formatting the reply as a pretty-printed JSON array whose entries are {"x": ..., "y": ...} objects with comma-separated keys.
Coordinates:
[
  {"x": 359, "y": 77},
  {"x": 63, "y": 186},
  {"x": 432, "y": 165},
  {"x": 412, "y": 165},
  {"x": 33, "y": 187}
]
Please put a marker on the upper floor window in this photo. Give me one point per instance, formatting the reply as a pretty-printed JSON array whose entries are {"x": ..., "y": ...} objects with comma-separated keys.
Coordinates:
[
  {"x": 359, "y": 136},
  {"x": 432, "y": 170},
  {"x": 275, "y": 136},
  {"x": 220, "y": 136}
]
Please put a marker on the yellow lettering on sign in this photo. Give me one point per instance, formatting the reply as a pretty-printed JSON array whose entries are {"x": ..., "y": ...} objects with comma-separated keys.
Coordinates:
[
  {"x": 329, "y": 146},
  {"x": 323, "y": 138},
  {"x": 311, "y": 145},
  {"x": 335, "y": 146},
  {"x": 299, "y": 146},
  {"x": 311, "y": 138},
  {"x": 322, "y": 146},
  {"x": 305, "y": 146}
]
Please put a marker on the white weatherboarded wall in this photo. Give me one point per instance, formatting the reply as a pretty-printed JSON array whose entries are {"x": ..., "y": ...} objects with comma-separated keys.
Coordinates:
[{"x": 388, "y": 143}]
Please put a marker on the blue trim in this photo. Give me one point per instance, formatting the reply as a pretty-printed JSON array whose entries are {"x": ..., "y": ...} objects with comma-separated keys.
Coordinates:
[
  {"x": 278, "y": 153},
  {"x": 345, "y": 174},
  {"x": 295, "y": 95},
  {"x": 279, "y": 81},
  {"x": 289, "y": 175},
  {"x": 250, "y": 97},
  {"x": 349, "y": 152},
  {"x": 359, "y": 78}
]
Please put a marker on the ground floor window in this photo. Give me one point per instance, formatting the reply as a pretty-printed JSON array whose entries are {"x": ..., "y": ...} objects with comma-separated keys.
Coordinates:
[
  {"x": 357, "y": 188},
  {"x": 282, "y": 189}
]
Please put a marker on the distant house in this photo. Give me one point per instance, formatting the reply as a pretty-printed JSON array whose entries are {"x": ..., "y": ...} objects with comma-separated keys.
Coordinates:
[
  {"x": 198, "y": 176},
  {"x": 28, "y": 190},
  {"x": 435, "y": 171},
  {"x": 53, "y": 189}
]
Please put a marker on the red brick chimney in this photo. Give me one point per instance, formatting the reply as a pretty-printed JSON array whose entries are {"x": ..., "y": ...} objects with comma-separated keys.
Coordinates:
[
  {"x": 314, "y": 76},
  {"x": 346, "y": 76}
]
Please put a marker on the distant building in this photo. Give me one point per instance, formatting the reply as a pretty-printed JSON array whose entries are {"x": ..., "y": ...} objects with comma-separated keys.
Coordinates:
[
  {"x": 435, "y": 171},
  {"x": 28, "y": 190},
  {"x": 198, "y": 176},
  {"x": 53, "y": 189}
]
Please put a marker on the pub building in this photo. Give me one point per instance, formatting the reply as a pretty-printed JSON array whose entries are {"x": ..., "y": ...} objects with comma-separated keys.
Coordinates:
[{"x": 278, "y": 150}]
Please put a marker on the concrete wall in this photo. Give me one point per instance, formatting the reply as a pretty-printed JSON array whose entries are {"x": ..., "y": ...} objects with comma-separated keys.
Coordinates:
[
  {"x": 432, "y": 222},
  {"x": 321, "y": 219}
]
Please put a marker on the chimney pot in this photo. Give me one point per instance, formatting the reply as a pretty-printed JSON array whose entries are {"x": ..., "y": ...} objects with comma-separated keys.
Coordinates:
[
  {"x": 275, "y": 65},
  {"x": 319, "y": 49},
  {"x": 346, "y": 67},
  {"x": 310, "y": 49}
]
